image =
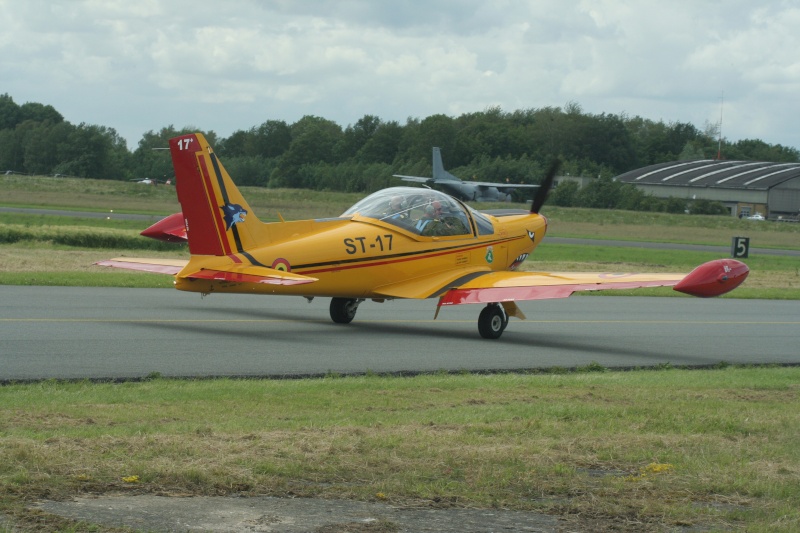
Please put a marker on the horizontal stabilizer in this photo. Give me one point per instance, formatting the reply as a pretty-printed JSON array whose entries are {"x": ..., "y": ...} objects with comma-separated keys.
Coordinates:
[
  {"x": 156, "y": 266},
  {"x": 250, "y": 274},
  {"x": 169, "y": 229}
]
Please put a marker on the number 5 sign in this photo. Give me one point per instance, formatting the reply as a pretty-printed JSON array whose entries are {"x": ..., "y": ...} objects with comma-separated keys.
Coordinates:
[{"x": 740, "y": 247}]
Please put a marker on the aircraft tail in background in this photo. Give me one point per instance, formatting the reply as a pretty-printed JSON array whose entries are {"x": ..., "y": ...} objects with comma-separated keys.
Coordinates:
[
  {"x": 465, "y": 190},
  {"x": 439, "y": 173}
]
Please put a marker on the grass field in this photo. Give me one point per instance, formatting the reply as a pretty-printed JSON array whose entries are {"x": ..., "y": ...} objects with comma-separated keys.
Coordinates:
[
  {"x": 653, "y": 450},
  {"x": 658, "y": 450}
]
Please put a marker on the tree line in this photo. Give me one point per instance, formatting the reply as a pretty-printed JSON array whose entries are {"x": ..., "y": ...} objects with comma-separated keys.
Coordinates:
[{"x": 317, "y": 153}]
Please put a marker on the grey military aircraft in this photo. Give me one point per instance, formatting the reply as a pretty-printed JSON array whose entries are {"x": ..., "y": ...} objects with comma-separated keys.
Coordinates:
[{"x": 479, "y": 191}]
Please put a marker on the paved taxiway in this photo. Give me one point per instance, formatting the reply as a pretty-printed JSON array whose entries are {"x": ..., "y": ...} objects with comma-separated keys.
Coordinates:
[{"x": 76, "y": 332}]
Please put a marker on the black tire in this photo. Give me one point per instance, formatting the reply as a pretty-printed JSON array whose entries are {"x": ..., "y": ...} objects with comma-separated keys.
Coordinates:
[
  {"x": 492, "y": 321},
  {"x": 343, "y": 310}
]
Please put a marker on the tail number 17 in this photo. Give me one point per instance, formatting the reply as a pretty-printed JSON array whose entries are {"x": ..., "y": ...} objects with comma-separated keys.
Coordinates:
[{"x": 183, "y": 144}]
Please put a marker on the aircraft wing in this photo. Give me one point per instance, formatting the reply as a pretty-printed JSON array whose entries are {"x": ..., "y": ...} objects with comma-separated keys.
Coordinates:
[
  {"x": 232, "y": 273},
  {"x": 502, "y": 185},
  {"x": 415, "y": 179},
  {"x": 709, "y": 279}
]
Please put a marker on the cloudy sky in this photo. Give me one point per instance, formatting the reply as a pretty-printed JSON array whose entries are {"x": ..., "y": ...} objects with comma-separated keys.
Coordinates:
[{"x": 140, "y": 65}]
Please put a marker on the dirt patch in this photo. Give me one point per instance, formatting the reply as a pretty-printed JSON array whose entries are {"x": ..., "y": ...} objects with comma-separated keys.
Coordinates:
[{"x": 282, "y": 515}]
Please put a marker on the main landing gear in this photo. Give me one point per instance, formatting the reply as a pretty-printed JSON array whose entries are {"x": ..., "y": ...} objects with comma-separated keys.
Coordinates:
[
  {"x": 492, "y": 321},
  {"x": 343, "y": 310}
]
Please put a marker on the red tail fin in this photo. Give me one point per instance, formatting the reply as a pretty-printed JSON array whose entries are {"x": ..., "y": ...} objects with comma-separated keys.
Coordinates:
[{"x": 218, "y": 219}]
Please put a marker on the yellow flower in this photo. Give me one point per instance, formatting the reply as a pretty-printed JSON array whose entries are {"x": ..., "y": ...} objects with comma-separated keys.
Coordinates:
[
  {"x": 380, "y": 495},
  {"x": 652, "y": 468},
  {"x": 657, "y": 468},
  {"x": 131, "y": 479}
]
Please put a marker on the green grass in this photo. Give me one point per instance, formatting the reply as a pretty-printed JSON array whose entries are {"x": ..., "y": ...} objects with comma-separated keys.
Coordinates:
[
  {"x": 36, "y": 220},
  {"x": 80, "y": 237},
  {"x": 713, "y": 449},
  {"x": 133, "y": 280}
]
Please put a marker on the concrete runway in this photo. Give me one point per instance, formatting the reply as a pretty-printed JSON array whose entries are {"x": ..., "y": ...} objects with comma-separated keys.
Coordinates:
[{"x": 76, "y": 332}]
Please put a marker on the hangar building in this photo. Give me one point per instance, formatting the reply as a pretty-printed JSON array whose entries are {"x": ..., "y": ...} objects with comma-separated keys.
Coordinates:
[{"x": 744, "y": 187}]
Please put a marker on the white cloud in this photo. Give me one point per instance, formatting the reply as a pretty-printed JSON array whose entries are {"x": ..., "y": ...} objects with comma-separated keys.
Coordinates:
[{"x": 137, "y": 66}]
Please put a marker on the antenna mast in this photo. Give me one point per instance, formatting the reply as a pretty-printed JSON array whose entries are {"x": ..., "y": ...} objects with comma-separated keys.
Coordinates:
[{"x": 719, "y": 141}]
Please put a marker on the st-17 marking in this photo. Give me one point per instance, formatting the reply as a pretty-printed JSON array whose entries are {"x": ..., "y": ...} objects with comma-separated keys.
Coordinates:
[{"x": 357, "y": 244}]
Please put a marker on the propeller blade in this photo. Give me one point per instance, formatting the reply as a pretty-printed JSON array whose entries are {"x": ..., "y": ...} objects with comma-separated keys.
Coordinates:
[{"x": 545, "y": 186}]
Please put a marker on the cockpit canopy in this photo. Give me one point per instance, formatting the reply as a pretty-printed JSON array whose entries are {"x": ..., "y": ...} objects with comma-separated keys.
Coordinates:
[{"x": 423, "y": 211}]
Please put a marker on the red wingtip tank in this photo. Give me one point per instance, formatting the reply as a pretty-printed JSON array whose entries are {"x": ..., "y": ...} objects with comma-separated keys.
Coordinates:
[
  {"x": 713, "y": 278},
  {"x": 169, "y": 229}
]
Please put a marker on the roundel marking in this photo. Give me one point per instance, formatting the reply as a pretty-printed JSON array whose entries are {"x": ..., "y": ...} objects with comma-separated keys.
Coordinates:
[{"x": 282, "y": 265}]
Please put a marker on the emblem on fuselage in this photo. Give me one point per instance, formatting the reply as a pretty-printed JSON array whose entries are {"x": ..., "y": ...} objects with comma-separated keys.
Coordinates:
[
  {"x": 489, "y": 255},
  {"x": 233, "y": 214}
]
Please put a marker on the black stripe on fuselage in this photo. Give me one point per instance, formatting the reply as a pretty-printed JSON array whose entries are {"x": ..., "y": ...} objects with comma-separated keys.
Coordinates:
[
  {"x": 224, "y": 192},
  {"x": 458, "y": 282}
]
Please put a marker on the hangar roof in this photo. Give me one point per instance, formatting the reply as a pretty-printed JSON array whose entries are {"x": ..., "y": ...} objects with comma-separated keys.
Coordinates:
[{"x": 714, "y": 173}]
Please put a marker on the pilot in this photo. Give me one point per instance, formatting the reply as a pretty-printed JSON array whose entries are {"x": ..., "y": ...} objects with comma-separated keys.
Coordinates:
[
  {"x": 432, "y": 213},
  {"x": 396, "y": 212},
  {"x": 397, "y": 208},
  {"x": 454, "y": 221},
  {"x": 444, "y": 221}
]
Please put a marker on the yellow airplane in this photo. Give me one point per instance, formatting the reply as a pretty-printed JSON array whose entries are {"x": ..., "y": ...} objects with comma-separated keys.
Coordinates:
[{"x": 401, "y": 242}]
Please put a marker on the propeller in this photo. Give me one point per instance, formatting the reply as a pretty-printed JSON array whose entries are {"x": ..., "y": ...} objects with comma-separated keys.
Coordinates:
[{"x": 545, "y": 186}]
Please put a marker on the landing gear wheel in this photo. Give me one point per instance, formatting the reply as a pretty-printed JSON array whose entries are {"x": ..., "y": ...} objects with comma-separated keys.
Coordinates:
[
  {"x": 492, "y": 321},
  {"x": 343, "y": 310}
]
